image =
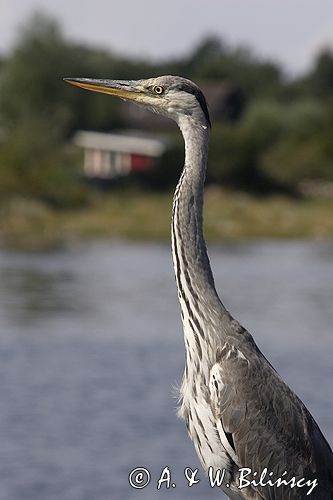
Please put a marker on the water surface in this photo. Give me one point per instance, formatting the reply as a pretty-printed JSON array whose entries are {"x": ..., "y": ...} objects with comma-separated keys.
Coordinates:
[{"x": 91, "y": 349}]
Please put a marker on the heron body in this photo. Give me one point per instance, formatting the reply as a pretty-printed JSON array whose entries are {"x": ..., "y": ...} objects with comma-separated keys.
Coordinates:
[{"x": 238, "y": 411}]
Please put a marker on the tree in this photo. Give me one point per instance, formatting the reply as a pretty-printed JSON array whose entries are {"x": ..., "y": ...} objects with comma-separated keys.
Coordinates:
[
  {"x": 39, "y": 112},
  {"x": 36, "y": 115},
  {"x": 321, "y": 77}
]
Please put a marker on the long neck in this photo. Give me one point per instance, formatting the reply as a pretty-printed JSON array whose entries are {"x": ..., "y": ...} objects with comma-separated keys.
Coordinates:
[{"x": 196, "y": 289}]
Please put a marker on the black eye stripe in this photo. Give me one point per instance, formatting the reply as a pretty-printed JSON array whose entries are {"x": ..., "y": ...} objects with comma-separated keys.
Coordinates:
[{"x": 198, "y": 95}]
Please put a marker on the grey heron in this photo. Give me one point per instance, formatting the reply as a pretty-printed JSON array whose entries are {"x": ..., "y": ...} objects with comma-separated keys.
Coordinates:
[{"x": 238, "y": 411}]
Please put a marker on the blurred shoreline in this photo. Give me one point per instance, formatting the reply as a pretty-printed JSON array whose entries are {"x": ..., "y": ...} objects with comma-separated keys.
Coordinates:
[{"x": 136, "y": 215}]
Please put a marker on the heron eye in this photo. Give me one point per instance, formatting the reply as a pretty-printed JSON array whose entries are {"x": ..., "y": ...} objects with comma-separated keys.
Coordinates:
[{"x": 158, "y": 89}]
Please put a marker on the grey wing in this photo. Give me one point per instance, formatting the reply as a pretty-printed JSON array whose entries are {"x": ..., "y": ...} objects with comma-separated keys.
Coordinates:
[{"x": 262, "y": 423}]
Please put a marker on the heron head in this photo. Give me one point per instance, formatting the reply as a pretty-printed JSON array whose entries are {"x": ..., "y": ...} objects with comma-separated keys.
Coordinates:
[{"x": 171, "y": 96}]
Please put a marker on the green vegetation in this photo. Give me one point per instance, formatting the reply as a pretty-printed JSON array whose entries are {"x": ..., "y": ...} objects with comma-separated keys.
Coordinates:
[
  {"x": 275, "y": 135},
  {"x": 229, "y": 215}
]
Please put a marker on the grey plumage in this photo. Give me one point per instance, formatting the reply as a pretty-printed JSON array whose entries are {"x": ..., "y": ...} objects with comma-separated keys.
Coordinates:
[{"x": 238, "y": 411}]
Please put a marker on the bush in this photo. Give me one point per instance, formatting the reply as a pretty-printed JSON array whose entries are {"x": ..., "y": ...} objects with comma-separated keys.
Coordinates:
[
  {"x": 39, "y": 169},
  {"x": 289, "y": 162},
  {"x": 303, "y": 150}
]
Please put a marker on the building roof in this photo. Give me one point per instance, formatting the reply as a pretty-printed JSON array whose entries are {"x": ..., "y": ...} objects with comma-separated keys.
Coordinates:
[{"x": 150, "y": 146}]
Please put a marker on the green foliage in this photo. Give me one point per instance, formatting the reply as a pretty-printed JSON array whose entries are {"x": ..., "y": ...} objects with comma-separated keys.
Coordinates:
[
  {"x": 283, "y": 136},
  {"x": 320, "y": 79},
  {"x": 33, "y": 164},
  {"x": 215, "y": 60},
  {"x": 275, "y": 143},
  {"x": 299, "y": 151},
  {"x": 232, "y": 157},
  {"x": 31, "y": 81},
  {"x": 38, "y": 112},
  {"x": 167, "y": 173},
  {"x": 291, "y": 161}
]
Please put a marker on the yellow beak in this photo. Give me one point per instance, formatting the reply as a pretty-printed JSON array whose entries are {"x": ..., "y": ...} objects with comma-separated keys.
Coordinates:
[{"x": 125, "y": 89}]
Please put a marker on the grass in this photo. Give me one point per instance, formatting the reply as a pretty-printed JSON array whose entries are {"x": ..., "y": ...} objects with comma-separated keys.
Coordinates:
[{"x": 146, "y": 216}]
